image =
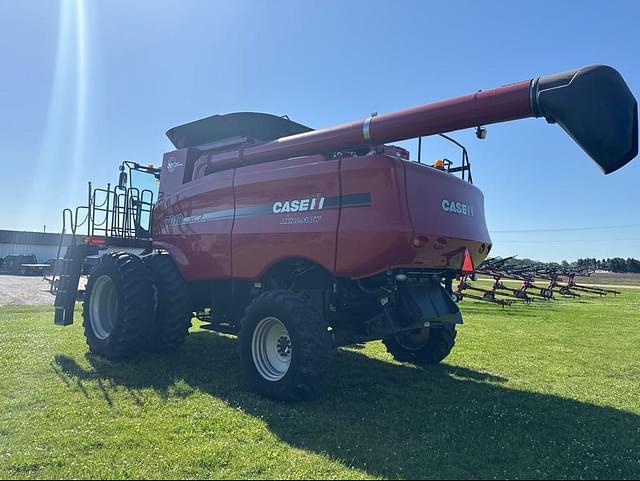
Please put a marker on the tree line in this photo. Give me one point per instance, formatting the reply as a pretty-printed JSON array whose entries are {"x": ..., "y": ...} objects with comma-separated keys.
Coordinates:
[{"x": 615, "y": 264}]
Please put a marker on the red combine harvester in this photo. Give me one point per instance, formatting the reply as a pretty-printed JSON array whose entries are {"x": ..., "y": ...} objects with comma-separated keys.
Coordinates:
[{"x": 300, "y": 240}]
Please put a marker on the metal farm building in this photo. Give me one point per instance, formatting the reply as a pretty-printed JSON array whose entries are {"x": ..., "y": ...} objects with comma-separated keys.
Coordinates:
[{"x": 43, "y": 245}]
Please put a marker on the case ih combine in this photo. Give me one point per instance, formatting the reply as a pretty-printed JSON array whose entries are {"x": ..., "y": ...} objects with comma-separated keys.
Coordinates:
[{"x": 301, "y": 240}]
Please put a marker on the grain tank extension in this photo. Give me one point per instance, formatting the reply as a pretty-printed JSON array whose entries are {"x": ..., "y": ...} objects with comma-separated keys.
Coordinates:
[{"x": 300, "y": 240}]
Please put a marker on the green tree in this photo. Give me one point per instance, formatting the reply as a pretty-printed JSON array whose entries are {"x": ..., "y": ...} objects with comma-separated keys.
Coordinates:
[
  {"x": 633, "y": 265},
  {"x": 617, "y": 264}
]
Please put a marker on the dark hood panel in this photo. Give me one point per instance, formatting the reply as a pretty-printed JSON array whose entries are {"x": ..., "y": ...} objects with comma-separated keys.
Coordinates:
[{"x": 255, "y": 125}]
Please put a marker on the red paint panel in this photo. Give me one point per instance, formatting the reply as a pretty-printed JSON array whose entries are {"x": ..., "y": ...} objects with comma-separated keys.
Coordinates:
[
  {"x": 263, "y": 238},
  {"x": 406, "y": 225},
  {"x": 447, "y": 215},
  {"x": 200, "y": 247},
  {"x": 375, "y": 238}
]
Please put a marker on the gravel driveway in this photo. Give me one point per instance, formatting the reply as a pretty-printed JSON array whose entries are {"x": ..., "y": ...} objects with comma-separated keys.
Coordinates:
[{"x": 24, "y": 290}]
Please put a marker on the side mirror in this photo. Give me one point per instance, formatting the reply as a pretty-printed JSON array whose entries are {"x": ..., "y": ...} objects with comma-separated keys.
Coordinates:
[{"x": 122, "y": 181}]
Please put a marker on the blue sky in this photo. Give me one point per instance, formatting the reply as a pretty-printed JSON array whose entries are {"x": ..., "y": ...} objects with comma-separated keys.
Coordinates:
[{"x": 85, "y": 85}]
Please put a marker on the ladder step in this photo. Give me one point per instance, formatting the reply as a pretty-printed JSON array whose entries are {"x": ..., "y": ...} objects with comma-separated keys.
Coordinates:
[{"x": 69, "y": 279}]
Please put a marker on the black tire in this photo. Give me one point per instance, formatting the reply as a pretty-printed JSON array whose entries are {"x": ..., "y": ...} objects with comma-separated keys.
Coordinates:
[
  {"x": 457, "y": 298},
  {"x": 427, "y": 346},
  {"x": 309, "y": 342},
  {"x": 173, "y": 313},
  {"x": 124, "y": 276}
]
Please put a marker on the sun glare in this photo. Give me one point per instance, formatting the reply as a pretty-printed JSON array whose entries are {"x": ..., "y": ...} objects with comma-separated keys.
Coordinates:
[{"x": 62, "y": 145}]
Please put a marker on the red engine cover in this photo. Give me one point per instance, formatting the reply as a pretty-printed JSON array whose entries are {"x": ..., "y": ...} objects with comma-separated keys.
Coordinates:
[{"x": 355, "y": 216}]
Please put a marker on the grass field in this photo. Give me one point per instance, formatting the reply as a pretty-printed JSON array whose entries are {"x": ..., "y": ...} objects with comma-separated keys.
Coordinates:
[
  {"x": 611, "y": 279},
  {"x": 627, "y": 279},
  {"x": 545, "y": 391}
]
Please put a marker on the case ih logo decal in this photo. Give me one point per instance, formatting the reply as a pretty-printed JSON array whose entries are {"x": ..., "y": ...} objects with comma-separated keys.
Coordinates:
[
  {"x": 454, "y": 207},
  {"x": 280, "y": 207},
  {"x": 173, "y": 164},
  {"x": 298, "y": 205}
]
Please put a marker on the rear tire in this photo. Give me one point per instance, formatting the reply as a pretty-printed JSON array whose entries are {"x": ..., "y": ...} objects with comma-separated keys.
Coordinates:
[
  {"x": 172, "y": 301},
  {"x": 285, "y": 347},
  {"x": 425, "y": 346},
  {"x": 565, "y": 291},
  {"x": 118, "y": 306}
]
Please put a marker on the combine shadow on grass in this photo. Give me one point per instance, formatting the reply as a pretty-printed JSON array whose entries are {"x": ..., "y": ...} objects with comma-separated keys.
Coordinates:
[{"x": 391, "y": 420}]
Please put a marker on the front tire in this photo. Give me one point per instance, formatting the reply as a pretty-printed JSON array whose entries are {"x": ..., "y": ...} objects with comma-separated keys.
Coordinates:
[
  {"x": 118, "y": 306},
  {"x": 285, "y": 347},
  {"x": 424, "y": 346},
  {"x": 172, "y": 314}
]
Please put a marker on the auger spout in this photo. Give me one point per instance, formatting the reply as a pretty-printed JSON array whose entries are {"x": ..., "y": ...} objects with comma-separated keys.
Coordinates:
[
  {"x": 592, "y": 104},
  {"x": 596, "y": 108}
]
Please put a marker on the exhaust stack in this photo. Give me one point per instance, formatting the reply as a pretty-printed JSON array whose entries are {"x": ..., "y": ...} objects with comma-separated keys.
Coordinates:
[{"x": 592, "y": 104}]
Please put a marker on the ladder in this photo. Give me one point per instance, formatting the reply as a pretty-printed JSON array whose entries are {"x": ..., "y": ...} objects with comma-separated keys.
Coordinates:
[
  {"x": 64, "y": 284},
  {"x": 118, "y": 217},
  {"x": 67, "y": 283}
]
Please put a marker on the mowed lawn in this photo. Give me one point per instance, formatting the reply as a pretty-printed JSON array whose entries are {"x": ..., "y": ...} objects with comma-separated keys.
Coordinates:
[{"x": 542, "y": 391}]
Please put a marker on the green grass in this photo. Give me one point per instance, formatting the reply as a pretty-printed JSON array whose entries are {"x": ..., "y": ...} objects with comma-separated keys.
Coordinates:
[
  {"x": 621, "y": 279},
  {"x": 545, "y": 391},
  {"x": 600, "y": 278}
]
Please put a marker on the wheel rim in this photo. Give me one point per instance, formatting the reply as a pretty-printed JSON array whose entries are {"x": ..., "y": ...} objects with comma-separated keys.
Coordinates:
[
  {"x": 488, "y": 296},
  {"x": 414, "y": 341},
  {"x": 271, "y": 349},
  {"x": 103, "y": 307}
]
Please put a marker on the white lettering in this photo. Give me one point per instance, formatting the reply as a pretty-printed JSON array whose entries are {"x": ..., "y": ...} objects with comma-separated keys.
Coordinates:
[
  {"x": 457, "y": 207},
  {"x": 298, "y": 205}
]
